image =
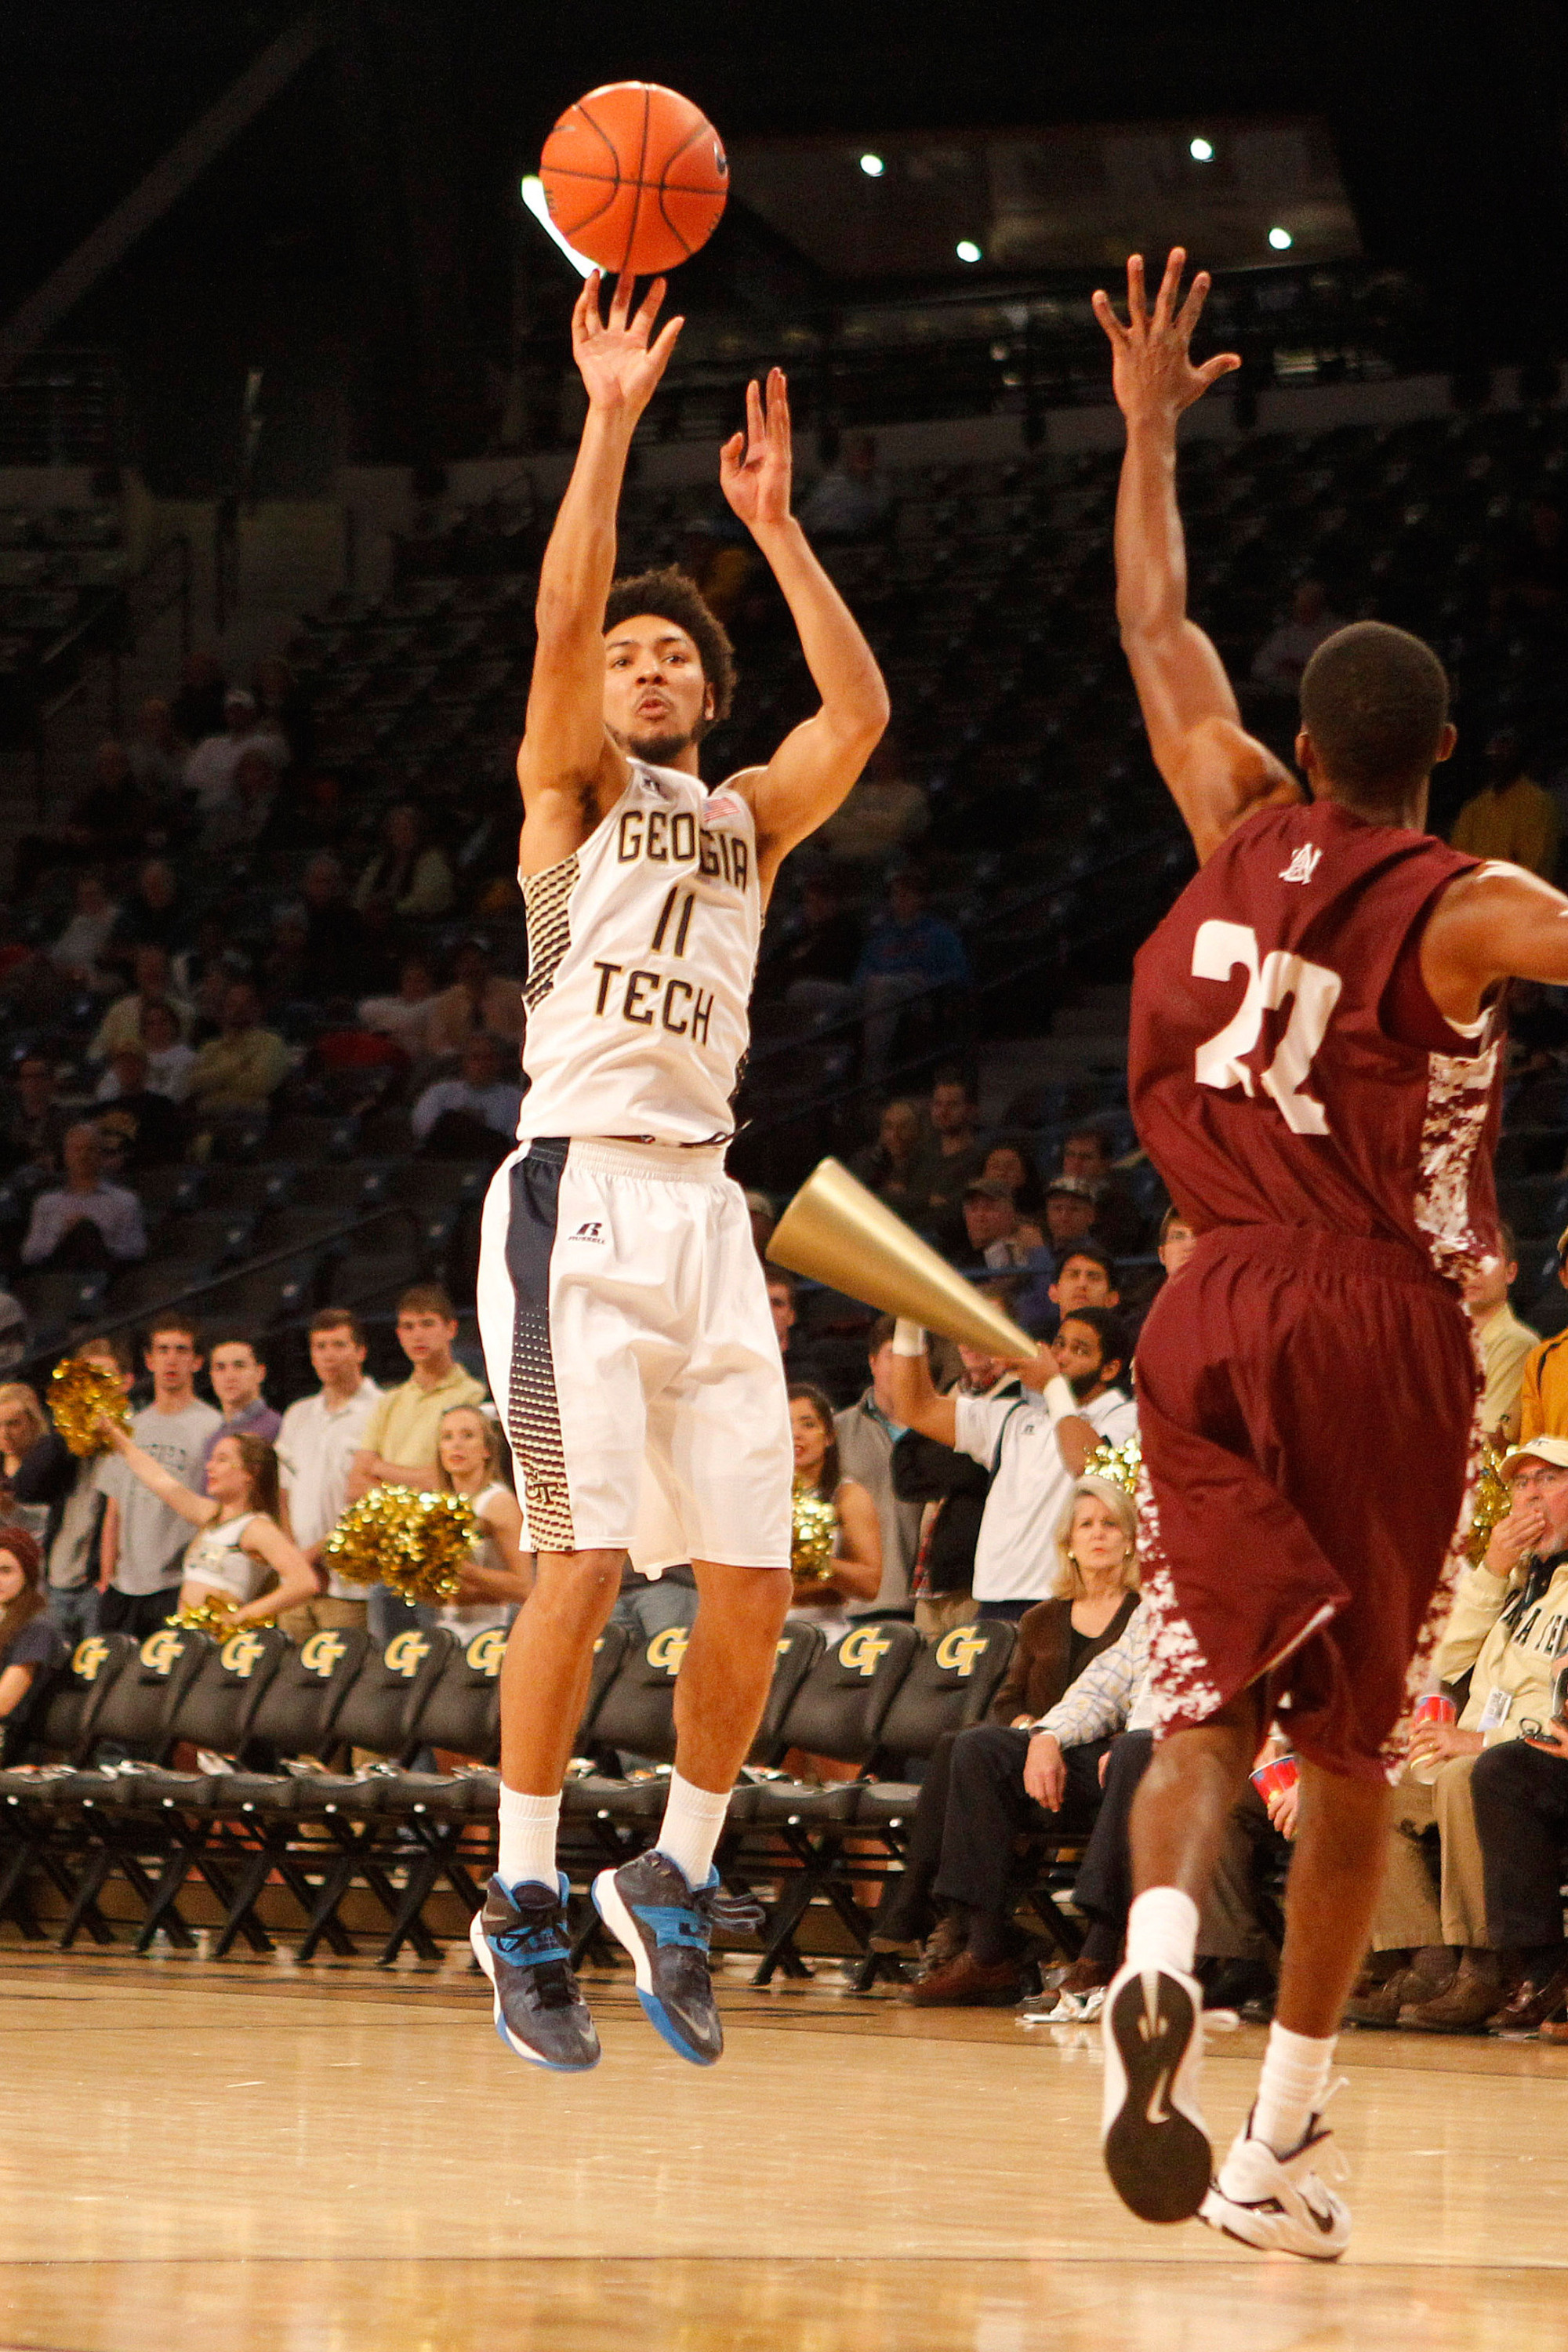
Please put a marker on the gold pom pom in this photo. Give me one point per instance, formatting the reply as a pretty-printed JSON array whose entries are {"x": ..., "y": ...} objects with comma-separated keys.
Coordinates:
[
  {"x": 1494, "y": 1500},
  {"x": 1120, "y": 1464},
  {"x": 212, "y": 1615},
  {"x": 814, "y": 1523},
  {"x": 418, "y": 1543},
  {"x": 80, "y": 1393}
]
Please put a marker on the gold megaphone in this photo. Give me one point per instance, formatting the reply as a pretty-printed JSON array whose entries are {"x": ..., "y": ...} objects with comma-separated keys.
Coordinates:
[{"x": 836, "y": 1232}]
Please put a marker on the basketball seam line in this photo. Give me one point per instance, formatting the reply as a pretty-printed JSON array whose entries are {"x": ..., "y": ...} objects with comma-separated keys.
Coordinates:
[{"x": 642, "y": 166}]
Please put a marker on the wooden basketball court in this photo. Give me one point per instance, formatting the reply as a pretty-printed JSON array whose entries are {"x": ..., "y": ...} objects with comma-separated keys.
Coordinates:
[{"x": 252, "y": 2156}]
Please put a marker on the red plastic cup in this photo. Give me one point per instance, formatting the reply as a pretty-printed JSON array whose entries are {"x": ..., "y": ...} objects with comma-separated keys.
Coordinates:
[
  {"x": 1273, "y": 1779},
  {"x": 1435, "y": 1709}
]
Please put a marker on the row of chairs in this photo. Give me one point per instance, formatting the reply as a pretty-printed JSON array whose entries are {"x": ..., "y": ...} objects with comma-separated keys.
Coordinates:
[{"x": 99, "y": 1788}]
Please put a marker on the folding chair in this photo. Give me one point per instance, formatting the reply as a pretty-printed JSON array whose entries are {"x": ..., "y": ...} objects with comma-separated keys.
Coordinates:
[
  {"x": 93, "y": 1807},
  {"x": 60, "y": 1733},
  {"x": 838, "y": 1710},
  {"x": 460, "y": 1715}
]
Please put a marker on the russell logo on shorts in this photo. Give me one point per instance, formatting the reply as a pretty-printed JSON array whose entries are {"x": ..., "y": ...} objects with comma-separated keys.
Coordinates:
[{"x": 591, "y": 1230}]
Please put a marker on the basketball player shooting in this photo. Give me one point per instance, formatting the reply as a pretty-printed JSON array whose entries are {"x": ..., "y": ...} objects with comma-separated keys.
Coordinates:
[
  {"x": 622, "y": 1303},
  {"x": 1314, "y": 1066}
]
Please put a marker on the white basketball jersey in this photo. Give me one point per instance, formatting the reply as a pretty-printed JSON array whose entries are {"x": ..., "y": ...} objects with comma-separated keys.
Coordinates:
[{"x": 641, "y": 947}]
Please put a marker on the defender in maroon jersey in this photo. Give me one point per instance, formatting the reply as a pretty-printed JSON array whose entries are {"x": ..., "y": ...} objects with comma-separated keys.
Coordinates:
[{"x": 1314, "y": 1068}]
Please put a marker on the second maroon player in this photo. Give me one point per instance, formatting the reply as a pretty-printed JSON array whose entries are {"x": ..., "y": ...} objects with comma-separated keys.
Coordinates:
[{"x": 1314, "y": 1068}]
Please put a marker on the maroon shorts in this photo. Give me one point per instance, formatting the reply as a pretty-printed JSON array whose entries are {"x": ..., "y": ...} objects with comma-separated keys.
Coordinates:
[{"x": 1307, "y": 1405}]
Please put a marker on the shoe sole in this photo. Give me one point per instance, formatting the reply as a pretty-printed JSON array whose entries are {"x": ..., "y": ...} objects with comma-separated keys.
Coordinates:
[
  {"x": 607, "y": 1902},
  {"x": 1161, "y": 2165},
  {"x": 480, "y": 1946}
]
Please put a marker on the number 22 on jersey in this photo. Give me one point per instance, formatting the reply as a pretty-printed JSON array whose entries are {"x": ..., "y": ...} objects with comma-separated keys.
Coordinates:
[{"x": 1221, "y": 949}]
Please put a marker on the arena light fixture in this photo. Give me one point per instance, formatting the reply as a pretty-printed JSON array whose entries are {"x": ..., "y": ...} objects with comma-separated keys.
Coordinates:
[
  {"x": 534, "y": 198},
  {"x": 873, "y": 166},
  {"x": 1201, "y": 150},
  {"x": 967, "y": 250},
  {"x": 1280, "y": 240}
]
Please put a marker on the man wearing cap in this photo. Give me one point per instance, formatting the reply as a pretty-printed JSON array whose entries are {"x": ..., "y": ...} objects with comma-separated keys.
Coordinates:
[
  {"x": 1504, "y": 1341},
  {"x": 1508, "y": 1631},
  {"x": 210, "y": 771},
  {"x": 1544, "y": 1398},
  {"x": 997, "y": 1236}
]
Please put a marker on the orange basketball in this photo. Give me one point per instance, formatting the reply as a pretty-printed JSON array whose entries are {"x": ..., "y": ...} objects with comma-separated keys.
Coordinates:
[{"x": 634, "y": 177}]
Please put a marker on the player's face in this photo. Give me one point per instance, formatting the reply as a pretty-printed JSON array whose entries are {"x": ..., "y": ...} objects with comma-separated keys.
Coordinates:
[
  {"x": 656, "y": 696},
  {"x": 1082, "y": 1282},
  {"x": 810, "y": 1437}
]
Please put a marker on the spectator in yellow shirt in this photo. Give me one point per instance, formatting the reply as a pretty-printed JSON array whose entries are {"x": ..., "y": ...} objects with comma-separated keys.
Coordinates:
[
  {"x": 1511, "y": 816},
  {"x": 1504, "y": 1341},
  {"x": 244, "y": 1064},
  {"x": 1543, "y": 1399}
]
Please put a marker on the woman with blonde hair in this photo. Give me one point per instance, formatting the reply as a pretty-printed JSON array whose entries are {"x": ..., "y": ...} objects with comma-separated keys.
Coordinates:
[
  {"x": 23, "y": 1427},
  {"x": 239, "y": 1540},
  {"x": 500, "y": 1576},
  {"x": 970, "y": 1957}
]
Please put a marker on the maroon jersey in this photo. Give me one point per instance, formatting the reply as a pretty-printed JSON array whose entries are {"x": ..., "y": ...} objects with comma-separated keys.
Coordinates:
[{"x": 1287, "y": 1066}]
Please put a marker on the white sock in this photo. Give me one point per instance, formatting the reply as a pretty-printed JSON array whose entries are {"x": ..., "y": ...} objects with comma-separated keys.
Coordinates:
[
  {"x": 1292, "y": 2089},
  {"x": 1163, "y": 1930},
  {"x": 528, "y": 1826},
  {"x": 693, "y": 1818}
]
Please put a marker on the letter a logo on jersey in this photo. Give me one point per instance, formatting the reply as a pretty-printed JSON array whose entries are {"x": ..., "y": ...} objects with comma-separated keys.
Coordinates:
[{"x": 1303, "y": 865}]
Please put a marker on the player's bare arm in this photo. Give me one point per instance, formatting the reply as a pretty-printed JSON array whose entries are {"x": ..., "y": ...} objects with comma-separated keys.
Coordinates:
[
  {"x": 1218, "y": 772},
  {"x": 569, "y": 769},
  {"x": 814, "y": 768},
  {"x": 1494, "y": 924}
]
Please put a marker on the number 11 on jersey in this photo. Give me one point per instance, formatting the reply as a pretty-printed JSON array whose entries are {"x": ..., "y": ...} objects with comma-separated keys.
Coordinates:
[{"x": 1219, "y": 950}]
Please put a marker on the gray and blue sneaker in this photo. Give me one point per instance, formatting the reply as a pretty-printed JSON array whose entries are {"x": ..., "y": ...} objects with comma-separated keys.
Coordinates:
[
  {"x": 666, "y": 1926},
  {"x": 519, "y": 1940}
]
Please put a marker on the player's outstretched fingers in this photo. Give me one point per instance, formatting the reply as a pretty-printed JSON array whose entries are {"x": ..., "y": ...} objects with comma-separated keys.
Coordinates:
[
  {"x": 778, "y": 408},
  {"x": 1165, "y": 300},
  {"x": 585, "y": 320},
  {"x": 1223, "y": 363},
  {"x": 650, "y": 308},
  {"x": 756, "y": 422},
  {"x": 1191, "y": 308},
  {"x": 621, "y": 300},
  {"x": 1137, "y": 309},
  {"x": 1102, "y": 305}
]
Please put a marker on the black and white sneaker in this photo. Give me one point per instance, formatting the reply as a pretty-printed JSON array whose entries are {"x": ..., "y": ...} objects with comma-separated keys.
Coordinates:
[
  {"x": 666, "y": 1926},
  {"x": 1156, "y": 2147},
  {"x": 521, "y": 1942},
  {"x": 1278, "y": 2203}
]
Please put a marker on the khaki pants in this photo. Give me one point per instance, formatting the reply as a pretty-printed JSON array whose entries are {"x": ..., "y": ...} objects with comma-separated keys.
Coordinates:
[
  {"x": 1410, "y": 1911},
  {"x": 941, "y": 1611},
  {"x": 323, "y": 1615}
]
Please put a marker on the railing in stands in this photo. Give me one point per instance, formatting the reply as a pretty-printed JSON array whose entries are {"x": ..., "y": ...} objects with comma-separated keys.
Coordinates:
[{"x": 100, "y": 640}]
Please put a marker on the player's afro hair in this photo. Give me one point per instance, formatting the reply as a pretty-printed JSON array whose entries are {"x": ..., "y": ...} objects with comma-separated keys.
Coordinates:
[
  {"x": 674, "y": 597},
  {"x": 1375, "y": 701}
]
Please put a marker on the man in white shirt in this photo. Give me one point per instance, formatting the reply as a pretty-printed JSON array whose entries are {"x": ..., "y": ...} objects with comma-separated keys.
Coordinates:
[
  {"x": 210, "y": 771},
  {"x": 485, "y": 1096},
  {"x": 1034, "y": 1449},
  {"x": 316, "y": 1447},
  {"x": 85, "y": 1222}
]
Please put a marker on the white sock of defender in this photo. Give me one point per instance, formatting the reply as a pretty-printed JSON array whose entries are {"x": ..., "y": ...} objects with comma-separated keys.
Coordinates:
[
  {"x": 528, "y": 1827},
  {"x": 1292, "y": 2089},
  {"x": 693, "y": 1821},
  {"x": 1163, "y": 1930}
]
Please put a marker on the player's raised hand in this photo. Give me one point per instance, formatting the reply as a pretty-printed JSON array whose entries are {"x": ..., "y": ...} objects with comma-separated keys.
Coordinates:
[
  {"x": 1152, "y": 368},
  {"x": 755, "y": 467},
  {"x": 617, "y": 363}
]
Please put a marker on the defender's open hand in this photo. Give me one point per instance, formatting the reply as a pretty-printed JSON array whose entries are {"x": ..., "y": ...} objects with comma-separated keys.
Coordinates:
[
  {"x": 614, "y": 358},
  {"x": 755, "y": 467},
  {"x": 1151, "y": 370}
]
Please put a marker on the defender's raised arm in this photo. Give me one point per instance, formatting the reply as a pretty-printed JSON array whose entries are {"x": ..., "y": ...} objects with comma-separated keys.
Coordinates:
[
  {"x": 565, "y": 751},
  {"x": 1216, "y": 772},
  {"x": 814, "y": 766}
]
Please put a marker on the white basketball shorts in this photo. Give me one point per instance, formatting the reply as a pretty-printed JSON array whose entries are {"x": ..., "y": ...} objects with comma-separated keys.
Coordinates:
[{"x": 626, "y": 1331}]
